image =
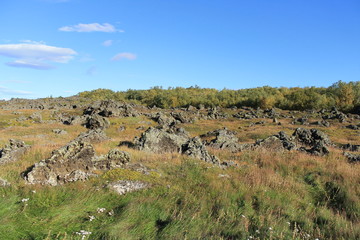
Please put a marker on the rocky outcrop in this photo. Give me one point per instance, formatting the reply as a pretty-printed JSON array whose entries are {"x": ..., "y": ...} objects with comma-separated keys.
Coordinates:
[
  {"x": 93, "y": 136},
  {"x": 224, "y": 139},
  {"x": 311, "y": 141},
  {"x": 96, "y": 122},
  {"x": 110, "y": 108},
  {"x": 196, "y": 149},
  {"x": 352, "y": 158},
  {"x": 159, "y": 140},
  {"x": 351, "y": 147},
  {"x": 13, "y": 151},
  {"x": 163, "y": 120},
  {"x": 73, "y": 162}
]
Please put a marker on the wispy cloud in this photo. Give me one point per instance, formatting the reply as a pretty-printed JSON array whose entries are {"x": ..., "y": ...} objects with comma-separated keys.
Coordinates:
[
  {"x": 33, "y": 42},
  {"x": 124, "y": 55},
  {"x": 90, "y": 27},
  {"x": 107, "y": 43},
  {"x": 91, "y": 71},
  {"x": 35, "y": 56},
  {"x": 7, "y": 91}
]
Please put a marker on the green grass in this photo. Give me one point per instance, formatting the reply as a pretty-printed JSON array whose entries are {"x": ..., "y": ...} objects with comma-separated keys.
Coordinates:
[{"x": 271, "y": 195}]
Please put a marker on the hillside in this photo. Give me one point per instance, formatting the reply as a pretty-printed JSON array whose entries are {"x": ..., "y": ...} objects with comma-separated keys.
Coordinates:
[{"x": 116, "y": 166}]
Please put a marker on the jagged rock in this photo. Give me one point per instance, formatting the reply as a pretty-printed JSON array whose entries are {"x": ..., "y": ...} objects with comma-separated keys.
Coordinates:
[
  {"x": 225, "y": 139},
  {"x": 352, "y": 158},
  {"x": 59, "y": 131},
  {"x": 110, "y": 108},
  {"x": 41, "y": 103},
  {"x": 196, "y": 149},
  {"x": 302, "y": 121},
  {"x": 13, "y": 151},
  {"x": 4, "y": 183},
  {"x": 213, "y": 113},
  {"x": 96, "y": 122},
  {"x": 163, "y": 120},
  {"x": 160, "y": 140},
  {"x": 114, "y": 159},
  {"x": 311, "y": 136},
  {"x": 124, "y": 186},
  {"x": 351, "y": 147},
  {"x": 93, "y": 136},
  {"x": 182, "y": 117},
  {"x": 36, "y": 117},
  {"x": 73, "y": 162},
  {"x": 353, "y": 127}
]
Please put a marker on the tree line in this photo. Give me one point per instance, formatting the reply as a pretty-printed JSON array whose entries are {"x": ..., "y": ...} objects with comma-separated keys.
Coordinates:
[{"x": 344, "y": 96}]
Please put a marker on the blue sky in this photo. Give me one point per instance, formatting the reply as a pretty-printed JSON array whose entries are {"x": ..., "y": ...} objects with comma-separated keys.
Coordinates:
[{"x": 62, "y": 47}]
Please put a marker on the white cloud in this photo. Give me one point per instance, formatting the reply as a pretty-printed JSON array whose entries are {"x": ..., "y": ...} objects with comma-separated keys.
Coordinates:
[
  {"x": 90, "y": 27},
  {"x": 7, "y": 91},
  {"x": 36, "y": 55},
  {"x": 33, "y": 42},
  {"x": 107, "y": 43},
  {"x": 128, "y": 56}
]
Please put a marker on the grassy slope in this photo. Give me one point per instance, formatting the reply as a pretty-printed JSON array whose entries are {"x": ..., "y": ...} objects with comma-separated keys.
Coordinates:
[{"x": 272, "y": 195}]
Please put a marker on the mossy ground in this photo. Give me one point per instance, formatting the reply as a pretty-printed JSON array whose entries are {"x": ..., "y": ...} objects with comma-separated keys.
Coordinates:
[{"x": 271, "y": 195}]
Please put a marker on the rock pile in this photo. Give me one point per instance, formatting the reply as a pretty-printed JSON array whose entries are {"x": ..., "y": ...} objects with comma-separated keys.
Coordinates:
[
  {"x": 110, "y": 108},
  {"x": 311, "y": 141},
  {"x": 224, "y": 139},
  {"x": 73, "y": 162},
  {"x": 13, "y": 151},
  {"x": 159, "y": 140}
]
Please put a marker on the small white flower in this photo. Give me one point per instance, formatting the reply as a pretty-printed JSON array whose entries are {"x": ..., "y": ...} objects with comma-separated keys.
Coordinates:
[
  {"x": 91, "y": 218},
  {"x": 270, "y": 228},
  {"x": 243, "y": 216},
  {"x": 101, "y": 210},
  {"x": 33, "y": 191},
  {"x": 288, "y": 223},
  {"x": 24, "y": 199},
  {"x": 257, "y": 231},
  {"x": 111, "y": 213}
]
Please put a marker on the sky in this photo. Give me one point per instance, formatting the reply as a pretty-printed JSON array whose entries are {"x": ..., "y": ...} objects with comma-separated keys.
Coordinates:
[{"x": 62, "y": 47}]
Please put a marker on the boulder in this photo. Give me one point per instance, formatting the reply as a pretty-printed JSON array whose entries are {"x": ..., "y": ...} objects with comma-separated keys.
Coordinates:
[
  {"x": 160, "y": 140},
  {"x": 196, "y": 149},
  {"x": 96, "y": 122},
  {"x": 13, "y": 151},
  {"x": 224, "y": 139},
  {"x": 352, "y": 158},
  {"x": 73, "y": 162}
]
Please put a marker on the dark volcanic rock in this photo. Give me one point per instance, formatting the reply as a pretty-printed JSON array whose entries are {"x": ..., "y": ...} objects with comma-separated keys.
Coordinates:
[
  {"x": 163, "y": 120},
  {"x": 96, "y": 122},
  {"x": 13, "y": 151},
  {"x": 224, "y": 139},
  {"x": 352, "y": 158},
  {"x": 110, "y": 108},
  {"x": 351, "y": 147},
  {"x": 196, "y": 149},
  {"x": 93, "y": 136},
  {"x": 73, "y": 162},
  {"x": 159, "y": 140}
]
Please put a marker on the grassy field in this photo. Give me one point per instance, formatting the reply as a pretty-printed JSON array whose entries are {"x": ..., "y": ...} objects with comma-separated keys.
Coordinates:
[{"x": 271, "y": 195}]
